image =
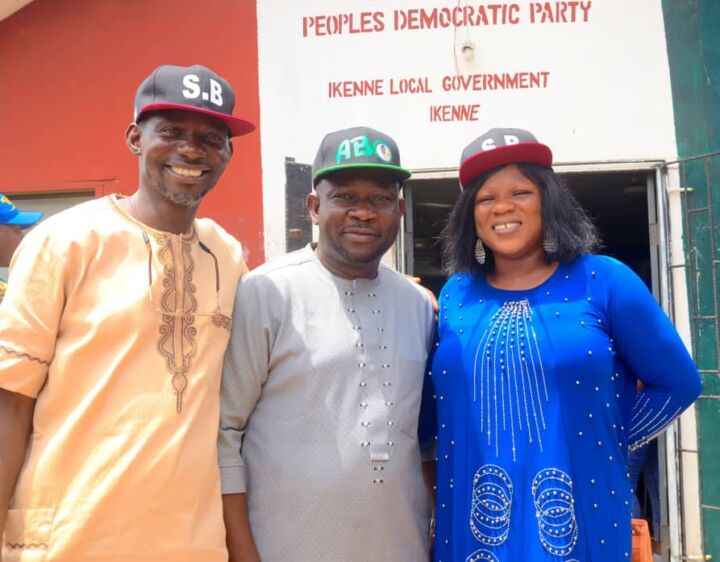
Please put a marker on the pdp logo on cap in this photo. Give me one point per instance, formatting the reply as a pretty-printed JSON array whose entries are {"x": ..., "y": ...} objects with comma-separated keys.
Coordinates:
[
  {"x": 500, "y": 147},
  {"x": 383, "y": 151}
]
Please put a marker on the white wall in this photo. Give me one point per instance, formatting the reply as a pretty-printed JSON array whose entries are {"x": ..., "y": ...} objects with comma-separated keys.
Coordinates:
[{"x": 606, "y": 97}]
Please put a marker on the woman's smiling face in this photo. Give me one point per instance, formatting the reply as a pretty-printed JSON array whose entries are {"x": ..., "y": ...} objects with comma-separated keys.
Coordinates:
[{"x": 508, "y": 214}]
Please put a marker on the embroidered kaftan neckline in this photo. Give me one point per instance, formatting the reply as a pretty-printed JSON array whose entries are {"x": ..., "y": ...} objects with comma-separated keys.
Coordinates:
[
  {"x": 177, "y": 342},
  {"x": 186, "y": 237}
]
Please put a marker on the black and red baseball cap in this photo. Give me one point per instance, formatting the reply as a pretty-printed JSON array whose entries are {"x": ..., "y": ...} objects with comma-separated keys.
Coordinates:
[
  {"x": 500, "y": 147},
  {"x": 190, "y": 88}
]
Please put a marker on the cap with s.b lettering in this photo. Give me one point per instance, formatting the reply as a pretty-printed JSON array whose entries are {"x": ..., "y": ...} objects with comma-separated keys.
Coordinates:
[
  {"x": 190, "y": 88},
  {"x": 358, "y": 148},
  {"x": 500, "y": 147}
]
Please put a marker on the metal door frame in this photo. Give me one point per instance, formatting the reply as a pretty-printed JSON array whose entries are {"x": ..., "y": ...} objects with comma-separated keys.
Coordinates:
[{"x": 687, "y": 264}]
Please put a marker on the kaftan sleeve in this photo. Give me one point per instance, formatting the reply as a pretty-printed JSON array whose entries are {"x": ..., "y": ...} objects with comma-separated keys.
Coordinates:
[
  {"x": 30, "y": 313},
  {"x": 651, "y": 348},
  {"x": 244, "y": 372}
]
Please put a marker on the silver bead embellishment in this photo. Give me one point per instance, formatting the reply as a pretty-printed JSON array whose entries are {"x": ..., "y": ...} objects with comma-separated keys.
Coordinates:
[
  {"x": 508, "y": 361},
  {"x": 481, "y": 556},
  {"x": 491, "y": 505},
  {"x": 550, "y": 244},
  {"x": 555, "y": 510},
  {"x": 480, "y": 255}
]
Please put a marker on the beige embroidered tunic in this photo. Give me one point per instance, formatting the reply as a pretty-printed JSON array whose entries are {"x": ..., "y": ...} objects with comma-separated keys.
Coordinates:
[
  {"x": 322, "y": 383},
  {"x": 119, "y": 331}
]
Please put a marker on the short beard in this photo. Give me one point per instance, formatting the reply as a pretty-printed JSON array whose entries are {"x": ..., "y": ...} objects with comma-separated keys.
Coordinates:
[{"x": 182, "y": 199}]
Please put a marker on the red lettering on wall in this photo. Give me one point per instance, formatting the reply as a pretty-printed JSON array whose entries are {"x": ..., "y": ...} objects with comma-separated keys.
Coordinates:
[
  {"x": 419, "y": 85},
  {"x": 339, "y": 24},
  {"x": 416, "y": 85},
  {"x": 560, "y": 12},
  {"x": 352, "y": 88},
  {"x": 458, "y": 16},
  {"x": 468, "y": 15},
  {"x": 447, "y": 113},
  {"x": 495, "y": 81}
]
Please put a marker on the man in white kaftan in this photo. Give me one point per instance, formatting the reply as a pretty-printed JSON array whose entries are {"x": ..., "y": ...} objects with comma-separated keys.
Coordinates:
[{"x": 323, "y": 381}]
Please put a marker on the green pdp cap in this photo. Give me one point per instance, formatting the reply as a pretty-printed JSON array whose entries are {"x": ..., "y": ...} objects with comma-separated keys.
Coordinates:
[{"x": 358, "y": 148}]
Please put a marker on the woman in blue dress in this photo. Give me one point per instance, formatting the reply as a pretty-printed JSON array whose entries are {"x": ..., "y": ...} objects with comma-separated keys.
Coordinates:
[{"x": 540, "y": 347}]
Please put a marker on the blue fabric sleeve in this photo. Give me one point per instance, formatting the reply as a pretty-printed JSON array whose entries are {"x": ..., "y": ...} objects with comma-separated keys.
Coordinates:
[
  {"x": 427, "y": 424},
  {"x": 651, "y": 348}
]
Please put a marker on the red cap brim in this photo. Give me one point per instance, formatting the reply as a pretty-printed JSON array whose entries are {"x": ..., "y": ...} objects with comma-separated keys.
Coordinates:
[
  {"x": 236, "y": 125},
  {"x": 529, "y": 152}
]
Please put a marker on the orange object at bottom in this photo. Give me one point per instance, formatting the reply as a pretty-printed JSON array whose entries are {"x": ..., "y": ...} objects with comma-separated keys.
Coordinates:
[{"x": 641, "y": 545}]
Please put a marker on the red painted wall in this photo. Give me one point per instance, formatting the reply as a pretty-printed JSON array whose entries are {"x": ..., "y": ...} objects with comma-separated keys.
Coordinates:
[{"x": 68, "y": 74}]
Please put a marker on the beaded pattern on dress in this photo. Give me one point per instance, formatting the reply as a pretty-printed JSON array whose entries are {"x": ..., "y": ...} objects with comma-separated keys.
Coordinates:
[
  {"x": 555, "y": 511},
  {"x": 491, "y": 504},
  {"x": 482, "y": 556},
  {"x": 646, "y": 422},
  {"x": 508, "y": 368}
]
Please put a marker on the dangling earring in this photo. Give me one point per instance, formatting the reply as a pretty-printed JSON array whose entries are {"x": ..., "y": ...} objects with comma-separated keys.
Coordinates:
[
  {"x": 479, "y": 252},
  {"x": 550, "y": 244}
]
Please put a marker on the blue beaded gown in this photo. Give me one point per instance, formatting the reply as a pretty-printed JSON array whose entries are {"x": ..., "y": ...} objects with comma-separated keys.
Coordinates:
[{"x": 535, "y": 405}]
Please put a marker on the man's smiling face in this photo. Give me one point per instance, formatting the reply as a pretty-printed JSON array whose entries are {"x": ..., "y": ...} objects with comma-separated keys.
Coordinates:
[
  {"x": 358, "y": 214},
  {"x": 182, "y": 154}
]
